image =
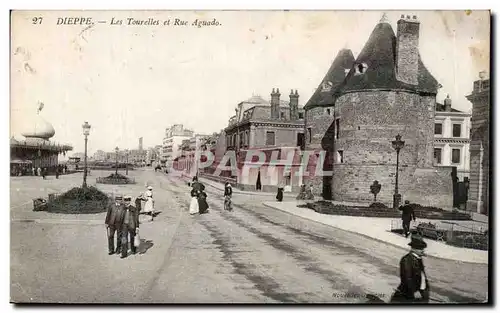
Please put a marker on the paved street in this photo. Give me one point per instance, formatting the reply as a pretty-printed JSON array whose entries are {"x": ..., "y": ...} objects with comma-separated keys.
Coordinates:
[{"x": 251, "y": 255}]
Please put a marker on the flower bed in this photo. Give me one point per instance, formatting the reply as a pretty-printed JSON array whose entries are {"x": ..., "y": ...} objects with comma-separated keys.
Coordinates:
[
  {"x": 469, "y": 240},
  {"x": 79, "y": 201},
  {"x": 115, "y": 179},
  {"x": 461, "y": 239},
  {"x": 381, "y": 210}
]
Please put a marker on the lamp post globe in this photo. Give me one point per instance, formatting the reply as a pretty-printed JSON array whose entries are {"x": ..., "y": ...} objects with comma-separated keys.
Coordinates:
[
  {"x": 397, "y": 144},
  {"x": 86, "y": 132}
]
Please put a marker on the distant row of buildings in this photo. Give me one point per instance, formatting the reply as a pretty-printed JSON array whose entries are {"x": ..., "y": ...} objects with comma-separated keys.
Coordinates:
[
  {"x": 136, "y": 157},
  {"x": 349, "y": 124}
]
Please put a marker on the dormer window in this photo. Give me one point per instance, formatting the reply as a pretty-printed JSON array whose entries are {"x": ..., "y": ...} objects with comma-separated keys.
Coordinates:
[{"x": 360, "y": 68}]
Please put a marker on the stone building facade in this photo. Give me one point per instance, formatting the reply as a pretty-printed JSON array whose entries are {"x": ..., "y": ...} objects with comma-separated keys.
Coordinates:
[
  {"x": 214, "y": 146},
  {"x": 387, "y": 91},
  {"x": 480, "y": 174},
  {"x": 260, "y": 126},
  {"x": 190, "y": 151},
  {"x": 173, "y": 138}
]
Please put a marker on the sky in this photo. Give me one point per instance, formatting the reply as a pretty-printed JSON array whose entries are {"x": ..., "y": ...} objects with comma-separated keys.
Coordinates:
[{"x": 131, "y": 81}]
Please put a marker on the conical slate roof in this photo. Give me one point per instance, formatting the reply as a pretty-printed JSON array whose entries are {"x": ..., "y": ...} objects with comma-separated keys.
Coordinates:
[
  {"x": 334, "y": 77},
  {"x": 379, "y": 55}
]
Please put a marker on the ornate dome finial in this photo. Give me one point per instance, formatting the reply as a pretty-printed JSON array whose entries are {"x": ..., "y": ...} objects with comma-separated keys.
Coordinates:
[
  {"x": 40, "y": 107},
  {"x": 384, "y": 18}
]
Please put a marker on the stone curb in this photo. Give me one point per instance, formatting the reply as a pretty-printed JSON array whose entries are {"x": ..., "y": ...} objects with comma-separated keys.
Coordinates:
[
  {"x": 56, "y": 221},
  {"x": 99, "y": 221},
  {"x": 369, "y": 237}
]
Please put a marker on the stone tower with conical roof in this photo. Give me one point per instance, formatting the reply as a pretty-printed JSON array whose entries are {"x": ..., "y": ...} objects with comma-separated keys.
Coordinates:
[
  {"x": 319, "y": 121},
  {"x": 387, "y": 91}
]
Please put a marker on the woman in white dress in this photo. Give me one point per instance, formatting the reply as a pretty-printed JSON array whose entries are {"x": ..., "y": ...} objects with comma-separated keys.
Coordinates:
[
  {"x": 193, "y": 206},
  {"x": 149, "y": 206}
]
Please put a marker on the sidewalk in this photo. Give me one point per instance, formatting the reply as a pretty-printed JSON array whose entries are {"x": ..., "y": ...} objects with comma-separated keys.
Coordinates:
[{"x": 379, "y": 229}]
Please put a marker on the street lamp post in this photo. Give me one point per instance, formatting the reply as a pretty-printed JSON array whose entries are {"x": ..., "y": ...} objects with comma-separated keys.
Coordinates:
[
  {"x": 126, "y": 162},
  {"x": 397, "y": 144},
  {"x": 116, "y": 166},
  {"x": 86, "y": 131}
]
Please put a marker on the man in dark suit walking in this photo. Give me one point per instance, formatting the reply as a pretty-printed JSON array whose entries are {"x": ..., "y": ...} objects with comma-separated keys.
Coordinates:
[
  {"x": 130, "y": 226},
  {"x": 407, "y": 216},
  {"x": 114, "y": 221},
  {"x": 414, "y": 286}
]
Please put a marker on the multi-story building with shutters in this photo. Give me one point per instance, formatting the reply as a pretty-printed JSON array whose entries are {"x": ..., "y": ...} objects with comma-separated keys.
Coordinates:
[{"x": 262, "y": 127}]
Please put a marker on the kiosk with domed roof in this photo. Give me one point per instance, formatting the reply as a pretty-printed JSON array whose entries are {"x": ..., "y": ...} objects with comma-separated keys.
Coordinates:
[{"x": 36, "y": 150}]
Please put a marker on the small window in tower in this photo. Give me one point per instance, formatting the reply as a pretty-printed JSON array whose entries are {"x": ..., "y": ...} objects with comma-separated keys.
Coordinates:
[
  {"x": 301, "y": 115},
  {"x": 360, "y": 68},
  {"x": 282, "y": 115},
  {"x": 340, "y": 156},
  {"x": 328, "y": 112}
]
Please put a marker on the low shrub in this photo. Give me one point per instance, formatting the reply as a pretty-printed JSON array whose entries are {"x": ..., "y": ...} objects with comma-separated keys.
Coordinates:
[
  {"x": 116, "y": 179},
  {"x": 469, "y": 240},
  {"x": 83, "y": 194},
  {"x": 378, "y": 205},
  {"x": 117, "y": 176},
  {"x": 378, "y": 209},
  {"x": 79, "y": 201}
]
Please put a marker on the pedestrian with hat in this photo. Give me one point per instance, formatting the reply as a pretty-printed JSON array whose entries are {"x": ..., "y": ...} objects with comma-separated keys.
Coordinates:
[
  {"x": 130, "y": 227},
  {"x": 407, "y": 215},
  {"x": 228, "y": 192},
  {"x": 414, "y": 286},
  {"x": 114, "y": 222},
  {"x": 149, "y": 205}
]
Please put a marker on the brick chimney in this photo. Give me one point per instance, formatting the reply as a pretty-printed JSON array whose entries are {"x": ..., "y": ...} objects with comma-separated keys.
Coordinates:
[
  {"x": 275, "y": 104},
  {"x": 294, "y": 105},
  {"x": 447, "y": 104},
  {"x": 407, "y": 49}
]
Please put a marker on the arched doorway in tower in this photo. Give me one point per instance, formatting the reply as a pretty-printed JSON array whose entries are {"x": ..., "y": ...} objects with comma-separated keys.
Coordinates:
[
  {"x": 328, "y": 146},
  {"x": 258, "y": 184}
]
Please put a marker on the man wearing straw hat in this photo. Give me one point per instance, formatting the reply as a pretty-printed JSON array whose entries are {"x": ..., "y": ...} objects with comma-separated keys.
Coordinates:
[{"x": 130, "y": 227}]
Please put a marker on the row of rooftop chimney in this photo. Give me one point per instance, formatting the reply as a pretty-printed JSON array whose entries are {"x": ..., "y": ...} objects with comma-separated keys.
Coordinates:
[{"x": 293, "y": 104}]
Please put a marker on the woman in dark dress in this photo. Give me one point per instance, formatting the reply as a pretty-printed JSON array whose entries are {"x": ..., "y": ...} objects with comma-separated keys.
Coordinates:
[
  {"x": 228, "y": 192},
  {"x": 279, "y": 196},
  {"x": 202, "y": 202}
]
